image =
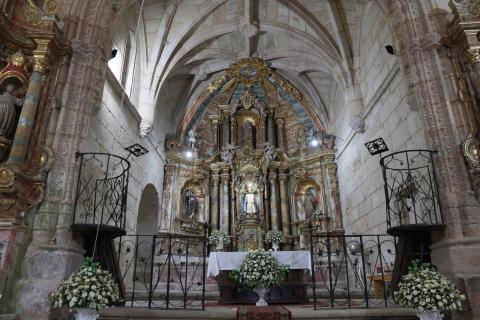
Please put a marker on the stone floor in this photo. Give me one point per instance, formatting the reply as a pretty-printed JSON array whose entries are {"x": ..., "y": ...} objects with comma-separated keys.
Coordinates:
[{"x": 299, "y": 312}]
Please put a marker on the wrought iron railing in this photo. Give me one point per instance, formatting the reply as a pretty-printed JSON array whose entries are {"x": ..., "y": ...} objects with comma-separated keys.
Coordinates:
[
  {"x": 412, "y": 199},
  {"x": 163, "y": 271},
  {"x": 352, "y": 271},
  {"x": 101, "y": 195}
]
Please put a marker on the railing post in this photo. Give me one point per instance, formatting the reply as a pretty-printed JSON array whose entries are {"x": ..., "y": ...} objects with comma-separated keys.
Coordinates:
[
  {"x": 135, "y": 258},
  {"x": 329, "y": 257},
  {"x": 204, "y": 251},
  {"x": 365, "y": 284},
  {"x": 169, "y": 259},
  {"x": 312, "y": 258},
  {"x": 379, "y": 246},
  {"x": 152, "y": 261},
  {"x": 345, "y": 252}
]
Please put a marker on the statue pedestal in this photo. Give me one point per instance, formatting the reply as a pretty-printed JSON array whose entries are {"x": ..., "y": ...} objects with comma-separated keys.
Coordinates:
[{"x": 249, "y": 234}]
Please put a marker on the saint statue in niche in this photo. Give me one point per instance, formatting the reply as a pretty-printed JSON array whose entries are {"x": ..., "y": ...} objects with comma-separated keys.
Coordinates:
[
  {"x": 8, "y": 113},
  {"x": 190, "y": 203},
  {"x": 310, "y": 202},
  {"x": 249, "y": 206},
  {"x": 300, "y": 200}
]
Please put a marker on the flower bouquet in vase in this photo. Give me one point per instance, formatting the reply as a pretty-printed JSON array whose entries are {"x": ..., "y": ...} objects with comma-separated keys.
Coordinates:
[
  {"x": 88, "y": 290},
  {"x": 274, "y": 237},
  {"x": 427, "y": 291},
  {"x": 259, "y": 271},
  {"x": 217, "y": 239}
]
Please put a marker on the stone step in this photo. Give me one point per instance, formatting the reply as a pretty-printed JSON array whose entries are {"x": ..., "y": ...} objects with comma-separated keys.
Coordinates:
[{"x": 304, "y": 312}]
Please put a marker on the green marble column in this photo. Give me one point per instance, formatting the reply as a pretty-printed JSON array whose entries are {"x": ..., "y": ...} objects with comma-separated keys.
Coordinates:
[{"x": 27, "y": 116}]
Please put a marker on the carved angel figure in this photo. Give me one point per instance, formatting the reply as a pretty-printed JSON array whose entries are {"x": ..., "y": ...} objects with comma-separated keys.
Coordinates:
[
  {"x": 8, "y": 102},
  {"x": 268, "y": 151},
  {"x": 191, "y": 140},
  {"x": 260, "y": 106},
  {"x": 300, "y": 137},
  {"x": 228, "y": 153}
]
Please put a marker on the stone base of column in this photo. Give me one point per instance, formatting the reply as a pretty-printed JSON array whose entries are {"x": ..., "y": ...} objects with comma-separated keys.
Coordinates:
[
  {"x": 460, "y": 261},
  {"x": 44, "y": 266}
]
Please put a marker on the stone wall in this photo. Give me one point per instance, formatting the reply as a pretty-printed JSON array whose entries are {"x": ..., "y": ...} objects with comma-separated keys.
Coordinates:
[
  {"x": 387, "y": 114},
  {"x": 113, "y": 127}
]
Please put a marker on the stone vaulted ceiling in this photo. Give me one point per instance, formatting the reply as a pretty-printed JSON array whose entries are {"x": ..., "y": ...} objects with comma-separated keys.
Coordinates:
[{"x": 312, "y": 43}]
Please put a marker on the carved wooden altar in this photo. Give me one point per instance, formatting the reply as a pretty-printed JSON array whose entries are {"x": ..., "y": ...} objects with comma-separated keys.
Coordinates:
[{"x": 250, "y": 156}]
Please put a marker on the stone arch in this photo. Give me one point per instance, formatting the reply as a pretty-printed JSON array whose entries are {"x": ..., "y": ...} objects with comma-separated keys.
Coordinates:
[{"x": 147, "y": 218}]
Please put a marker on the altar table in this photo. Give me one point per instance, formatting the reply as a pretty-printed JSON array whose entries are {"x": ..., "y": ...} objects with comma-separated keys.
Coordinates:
[
  {"x": 219, "y": 261},
  {"x": 292, "y": 290}
]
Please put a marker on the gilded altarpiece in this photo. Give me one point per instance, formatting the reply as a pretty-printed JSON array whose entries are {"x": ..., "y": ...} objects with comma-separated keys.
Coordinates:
[
  {"x": 251, "y": 156},
  {"x": 31, "y": 50}
]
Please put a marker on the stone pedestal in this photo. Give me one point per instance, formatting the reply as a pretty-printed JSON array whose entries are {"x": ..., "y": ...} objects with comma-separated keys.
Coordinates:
[{"x": 44, "y": 266}]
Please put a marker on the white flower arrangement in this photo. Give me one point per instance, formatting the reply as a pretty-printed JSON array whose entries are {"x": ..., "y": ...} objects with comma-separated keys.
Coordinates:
[
  {"x": 274, "y": 236},
  {"x": 425, "y": 289},
  {"x": 259, "y": 269},
  {"x": 91, "y": 287},
  {"x": 216, "y": 236}
]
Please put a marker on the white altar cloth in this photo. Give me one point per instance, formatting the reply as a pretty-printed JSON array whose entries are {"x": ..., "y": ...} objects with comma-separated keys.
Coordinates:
[{"x": 218, "y": 261}]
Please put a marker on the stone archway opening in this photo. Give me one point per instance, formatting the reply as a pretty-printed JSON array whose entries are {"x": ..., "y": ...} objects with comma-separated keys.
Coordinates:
[{"x": 147, "y": 218}]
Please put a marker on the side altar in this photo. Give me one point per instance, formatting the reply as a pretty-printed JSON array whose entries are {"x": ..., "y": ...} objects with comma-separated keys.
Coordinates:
[
  {"x": 292, "y": 290},
  {"x": 251, "y": 155}
]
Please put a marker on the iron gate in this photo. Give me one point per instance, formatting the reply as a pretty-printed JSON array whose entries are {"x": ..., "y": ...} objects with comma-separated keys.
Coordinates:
[{"x": 163, "y": 271}]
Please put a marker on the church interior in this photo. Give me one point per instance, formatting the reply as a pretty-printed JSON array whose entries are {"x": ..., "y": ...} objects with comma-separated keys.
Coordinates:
[{"x": 136, "y": 131}]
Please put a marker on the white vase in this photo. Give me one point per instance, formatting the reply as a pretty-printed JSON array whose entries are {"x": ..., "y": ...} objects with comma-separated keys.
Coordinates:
[
  {"x": 219, "y": 246},
  {"x": 430, "y": 315},
  {"x": 275, "y": 246},
  {"x": 86, "y": 314},
  {"x": 261, "y": 296}
]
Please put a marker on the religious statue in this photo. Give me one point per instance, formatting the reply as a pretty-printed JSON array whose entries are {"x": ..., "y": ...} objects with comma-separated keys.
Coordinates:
[
  {"x": 300, "y": 207},
  {"x": 301, "y": 136},
  {"x": 228, "y": 153},
  {"x": 8, "y": 113},
  {"x": 310, "y": 202},
  {"x": 249, "y": 205},
  {"x": 191, "y": 140},
  {"x": 260, "y": 106},
  {"x": 268, "y": 151},
  {"x": 190, "y": 203}
]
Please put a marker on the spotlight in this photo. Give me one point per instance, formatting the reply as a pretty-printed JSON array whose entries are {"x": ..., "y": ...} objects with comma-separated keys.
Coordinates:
[
  {"x": 314, "y": 143},
  {"x": 189, "y": 154},
  {"x": 390, "y": 49}
]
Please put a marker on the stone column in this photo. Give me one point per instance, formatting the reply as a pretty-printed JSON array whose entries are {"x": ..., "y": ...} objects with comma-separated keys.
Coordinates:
[
  {"x": 425, "y": 62},
  {"x": 47, "y": 261},
  {"x": 214, "y": 200},
  {"x": 282, "y": 177},
  {"x": 270, "y": 127},
  {"x": 225, "y": 125},
  {"x": 20, "y": 144},
  {"x": 224, "y": 201},
  {"x": 272, "y": 178},
  {"x": 215, "y": 122},
  {"x": 166, "y": 198},
  {"x": 335, "y": 211},
  {"x": 280, "y": 131}
]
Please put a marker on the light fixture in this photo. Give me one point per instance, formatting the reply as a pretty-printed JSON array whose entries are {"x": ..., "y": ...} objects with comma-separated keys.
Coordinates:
[
  {"x": 136, "y": 150},
  {"x": 189, "y": 154},
  {"x": 314, "y": 142},
  {"x": 376, "y": 146}
]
